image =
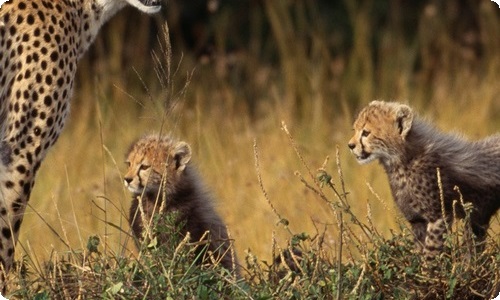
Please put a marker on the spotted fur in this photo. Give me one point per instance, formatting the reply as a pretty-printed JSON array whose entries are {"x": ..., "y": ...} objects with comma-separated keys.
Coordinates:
[
  {"x": 161, "y": 175},
  {"x": 41, "y": 42},
  {"x": 411, "y": 151}
]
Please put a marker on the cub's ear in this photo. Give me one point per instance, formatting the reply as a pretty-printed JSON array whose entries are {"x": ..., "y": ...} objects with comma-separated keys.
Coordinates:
[
  {"x": 182, "y": 155},
  {"x": 404, "y": 119}
]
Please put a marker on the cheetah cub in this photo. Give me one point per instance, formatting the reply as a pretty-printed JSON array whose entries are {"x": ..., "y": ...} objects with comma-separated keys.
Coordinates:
[
  {"x": 411, "y": 151},
  {"x": 160, "y": 169}
]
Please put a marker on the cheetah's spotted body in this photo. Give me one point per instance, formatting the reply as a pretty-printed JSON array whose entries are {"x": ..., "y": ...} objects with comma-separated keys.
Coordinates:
[
  {"x": 40, "y": 44},
  {"x": 411, "y": 151}
]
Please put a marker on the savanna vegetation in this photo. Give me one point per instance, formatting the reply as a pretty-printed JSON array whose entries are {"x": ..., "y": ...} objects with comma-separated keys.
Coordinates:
[{"x": 265, "y": 92}]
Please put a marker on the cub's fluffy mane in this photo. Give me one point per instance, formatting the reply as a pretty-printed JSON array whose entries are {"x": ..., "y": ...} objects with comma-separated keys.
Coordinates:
[
  {"x": 189, "y": 194},
  {"x": 460, "y": 155}
]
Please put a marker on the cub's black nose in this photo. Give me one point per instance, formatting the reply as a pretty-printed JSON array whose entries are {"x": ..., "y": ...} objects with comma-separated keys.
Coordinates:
[{"x": 351, "y": 146}]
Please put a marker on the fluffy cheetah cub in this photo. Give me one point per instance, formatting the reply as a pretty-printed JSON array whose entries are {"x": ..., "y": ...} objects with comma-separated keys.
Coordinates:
[
  {"x": 411, "y": 150},
  {"x": 160, "y": 168}
]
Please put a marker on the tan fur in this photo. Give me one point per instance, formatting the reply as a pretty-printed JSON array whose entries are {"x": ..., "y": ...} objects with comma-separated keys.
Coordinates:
[
  {"x": 160, "y": 175},
  {"x": 411, "y": 151}
]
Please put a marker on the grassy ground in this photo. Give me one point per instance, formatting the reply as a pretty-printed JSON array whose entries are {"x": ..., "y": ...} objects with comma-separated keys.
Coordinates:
[{"x": 251, "y": 162}]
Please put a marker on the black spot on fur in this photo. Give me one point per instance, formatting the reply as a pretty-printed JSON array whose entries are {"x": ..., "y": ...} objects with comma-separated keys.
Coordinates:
[
  {"x": 21, "y": 169},
  {"x": 6, "y": 232},
  {"x": 17, "y": 225},
  {"x": 16, "y": 206}
]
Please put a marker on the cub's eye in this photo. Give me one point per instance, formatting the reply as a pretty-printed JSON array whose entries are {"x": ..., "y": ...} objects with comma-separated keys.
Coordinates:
[
  {"x": 365, "y": 133},
  {"x": 144, "y": 167}
]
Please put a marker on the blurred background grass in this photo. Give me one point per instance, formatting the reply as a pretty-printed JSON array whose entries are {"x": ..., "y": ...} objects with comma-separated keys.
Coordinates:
[{"x": 237, "y": 72}]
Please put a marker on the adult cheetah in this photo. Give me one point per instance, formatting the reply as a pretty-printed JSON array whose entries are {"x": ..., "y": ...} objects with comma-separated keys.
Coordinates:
[
  {"x": 160, "y": 174},
  {"x": 41, "y": 42},
  {"x": 411, "y": 150}
]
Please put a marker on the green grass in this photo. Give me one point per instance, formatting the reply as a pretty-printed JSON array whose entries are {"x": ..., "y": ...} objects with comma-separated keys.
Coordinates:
[{"x": 232, "y": 115}]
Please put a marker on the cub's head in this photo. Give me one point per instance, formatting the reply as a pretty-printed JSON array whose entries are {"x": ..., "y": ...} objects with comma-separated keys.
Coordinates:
[
  {"x": 380, "y": 131},
  {"x": 153, "y": 160}
]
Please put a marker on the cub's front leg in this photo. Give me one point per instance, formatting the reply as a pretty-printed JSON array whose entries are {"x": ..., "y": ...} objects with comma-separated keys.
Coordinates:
[
  {"x": 434, "y": 238},
  {"x": 419, "y": 229}
]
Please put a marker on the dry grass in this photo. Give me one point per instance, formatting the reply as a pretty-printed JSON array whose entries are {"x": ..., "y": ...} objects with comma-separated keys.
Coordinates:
[{"x": 82, "y": 176}]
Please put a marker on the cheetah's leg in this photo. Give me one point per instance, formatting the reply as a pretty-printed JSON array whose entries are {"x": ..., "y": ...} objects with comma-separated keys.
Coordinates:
[
  {"x": 16, "y": 181},
  {"x": 434, "y": 238}
]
